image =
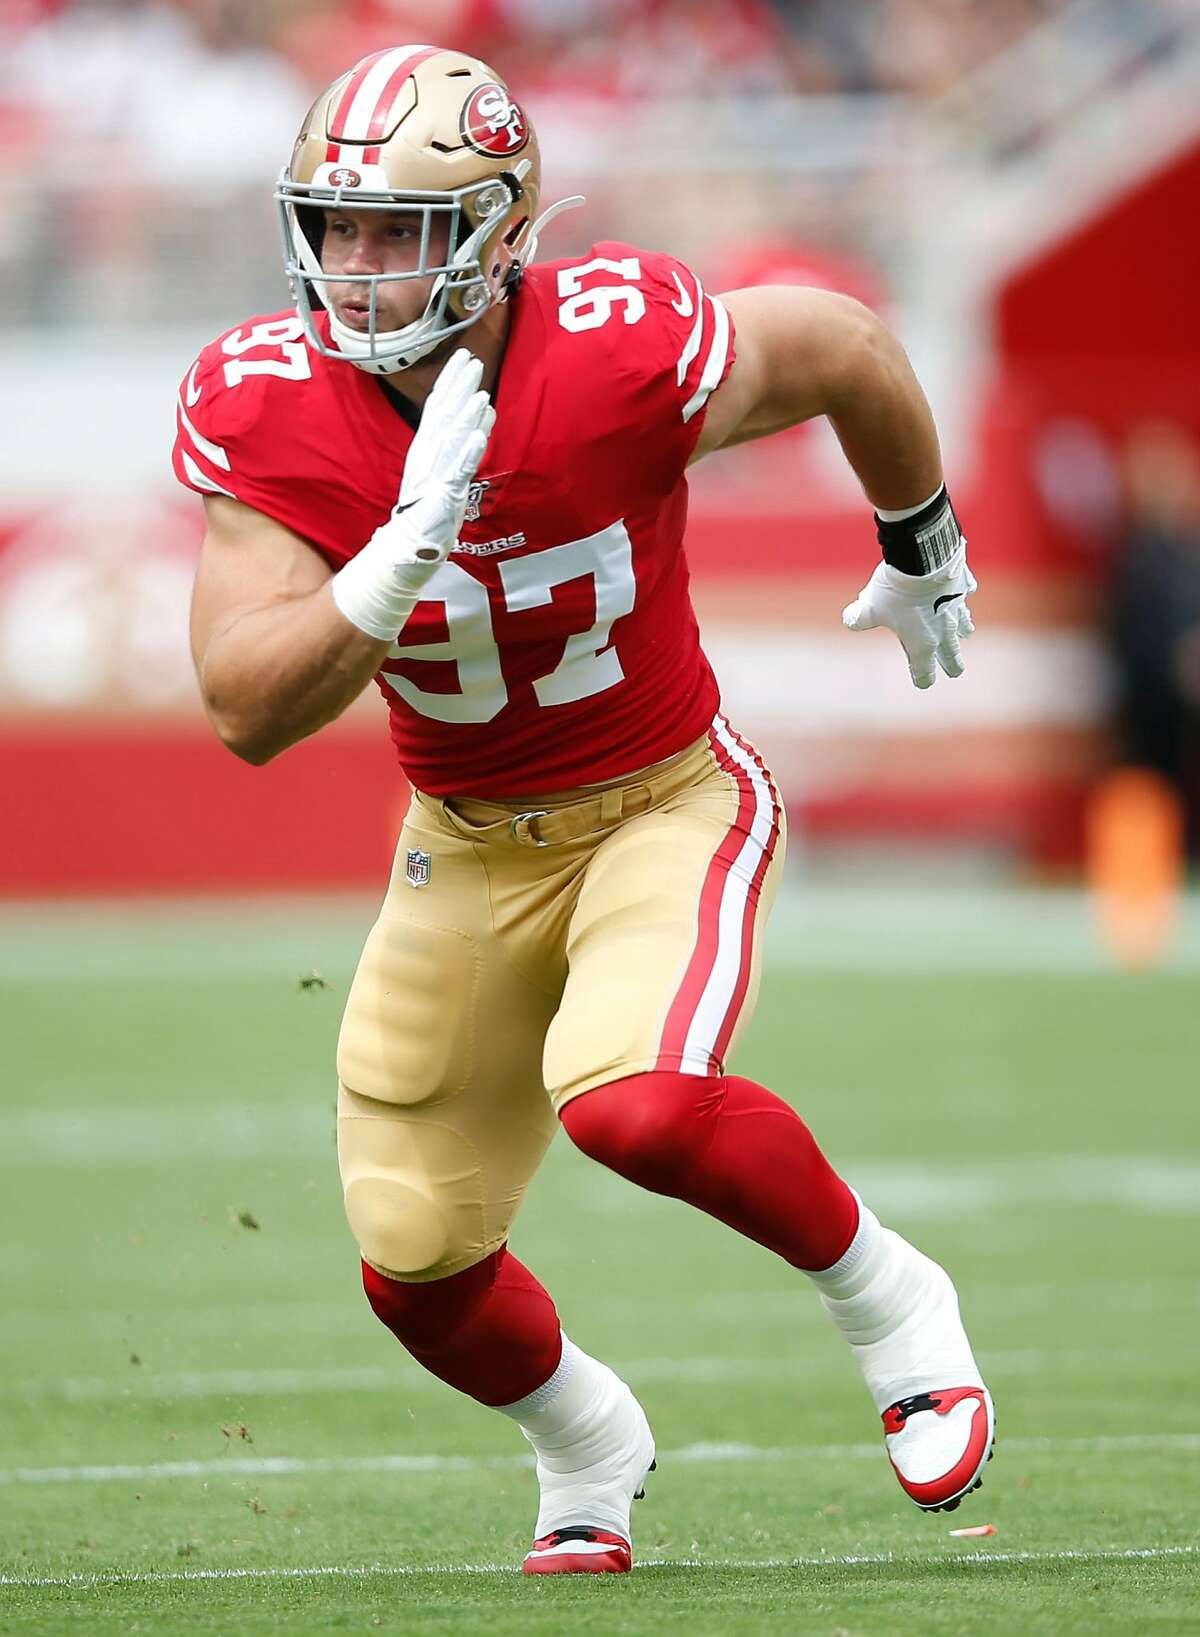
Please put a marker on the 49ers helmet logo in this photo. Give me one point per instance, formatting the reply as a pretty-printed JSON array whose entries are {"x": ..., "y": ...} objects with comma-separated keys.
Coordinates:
[
  {"x": 344, "y": 177},
  {"x": 492, "y": 123}
]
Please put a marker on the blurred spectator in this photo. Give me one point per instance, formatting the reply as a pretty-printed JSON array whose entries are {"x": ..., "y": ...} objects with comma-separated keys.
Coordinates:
[
  {"x": 629, "y": 47},
  {"x": 139, "y": 137},
  {"x": 1156, "y": 610},
  {"x": 154, "y": 90}
]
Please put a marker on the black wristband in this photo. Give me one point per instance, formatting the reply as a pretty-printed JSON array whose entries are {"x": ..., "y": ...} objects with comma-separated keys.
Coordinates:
[{"x": 924, "y": 542}]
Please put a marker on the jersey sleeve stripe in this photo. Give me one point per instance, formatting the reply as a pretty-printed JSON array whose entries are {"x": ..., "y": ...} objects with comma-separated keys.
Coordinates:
[
  {"x": 692, "y": 346},
  {"x": 714, "y": 364},
  {"x": 211, "y": 451},
  {"x": 199, "y": 480}
]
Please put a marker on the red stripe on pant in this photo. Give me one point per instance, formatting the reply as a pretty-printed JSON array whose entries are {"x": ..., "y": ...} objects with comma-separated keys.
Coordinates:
[
  {"x": 683, "y": 1007},
  {"x": 750, "y": 916},
  {"x": 708, "y": 944}
]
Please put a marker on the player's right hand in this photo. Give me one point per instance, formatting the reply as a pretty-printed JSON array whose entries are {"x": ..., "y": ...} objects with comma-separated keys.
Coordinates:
[
  {"x": 456, "y": 424},
  {"x": 928, "y": 612}
]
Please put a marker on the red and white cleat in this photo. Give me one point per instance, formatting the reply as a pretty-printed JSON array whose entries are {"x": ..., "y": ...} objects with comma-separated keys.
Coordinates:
[
  {"x": 593, "y": 1451},
  {"x": 939, "y": 1443},
  {"x": 899, "y": 1312},
  {"x": 579, "y": 1551}
]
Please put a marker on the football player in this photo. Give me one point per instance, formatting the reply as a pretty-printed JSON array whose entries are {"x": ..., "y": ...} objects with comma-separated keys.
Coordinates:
[{"x": 460, "y": 472}]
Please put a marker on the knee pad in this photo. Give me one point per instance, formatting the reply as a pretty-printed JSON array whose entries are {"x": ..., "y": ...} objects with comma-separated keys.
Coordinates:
[
  {"x": 400, "y": 1231},
  {"x": 650, "y": 1128},
  {"x": 413, "y": 1196}
]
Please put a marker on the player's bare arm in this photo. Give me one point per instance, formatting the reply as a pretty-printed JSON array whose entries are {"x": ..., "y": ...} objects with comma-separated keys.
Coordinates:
[
  {"x": 275, "y": 657},
  {"x": 804, "y": 353},
  {"x": 281, "y": 645}
]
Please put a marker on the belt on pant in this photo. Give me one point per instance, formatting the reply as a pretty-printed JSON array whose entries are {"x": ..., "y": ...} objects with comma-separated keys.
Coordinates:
[{"x": 551, "y": 826}]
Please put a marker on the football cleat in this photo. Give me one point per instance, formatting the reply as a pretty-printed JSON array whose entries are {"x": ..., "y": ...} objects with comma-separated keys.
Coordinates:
[
  {"x": 583, "y": 1550},
  {"x": 579, "y": 1551},
  {"x": 939, "y": 1443},
  {"x": 590, "y": 1474},
  {"x": 899, "y": 1312}
]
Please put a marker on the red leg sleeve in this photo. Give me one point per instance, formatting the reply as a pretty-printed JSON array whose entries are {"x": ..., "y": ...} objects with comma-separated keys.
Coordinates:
[
  {"x": 730, "y": 1148},
  {"x": 491, "y": 1331}
]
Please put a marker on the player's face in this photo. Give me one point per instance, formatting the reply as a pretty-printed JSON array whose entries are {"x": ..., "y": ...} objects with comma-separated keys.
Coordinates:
[{"x": 376, "y": 241}]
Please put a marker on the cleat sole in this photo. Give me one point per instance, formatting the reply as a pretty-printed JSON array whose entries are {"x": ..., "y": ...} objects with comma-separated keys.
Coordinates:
[{"x": 953, "y": 1506}]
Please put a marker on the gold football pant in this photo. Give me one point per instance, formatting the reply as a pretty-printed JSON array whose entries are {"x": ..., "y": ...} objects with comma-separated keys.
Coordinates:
[{"x": 523, "y": 957}]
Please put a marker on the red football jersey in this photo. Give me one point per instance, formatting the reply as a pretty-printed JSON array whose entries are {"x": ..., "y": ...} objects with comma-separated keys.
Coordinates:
[{"x": 557, "y": 645}]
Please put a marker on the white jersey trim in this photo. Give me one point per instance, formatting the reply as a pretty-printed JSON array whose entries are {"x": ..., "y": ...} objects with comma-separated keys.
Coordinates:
[
  {"x": 212, "y": 451},
  {"x": 692, "y": 345},
  {"x": 200, "y": 479},
  {"x": 714, "y": 364}
]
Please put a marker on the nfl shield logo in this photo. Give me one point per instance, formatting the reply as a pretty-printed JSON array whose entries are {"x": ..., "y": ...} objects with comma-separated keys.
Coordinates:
[
  {"x": 475, "y": 496},
  {"x": 417, "y": 867}
]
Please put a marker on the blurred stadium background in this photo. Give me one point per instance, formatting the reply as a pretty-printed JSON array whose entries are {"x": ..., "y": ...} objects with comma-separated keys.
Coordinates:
[{"x": 1015, "y": 185}]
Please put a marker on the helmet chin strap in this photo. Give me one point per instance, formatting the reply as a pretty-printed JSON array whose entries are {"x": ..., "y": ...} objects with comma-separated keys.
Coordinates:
[{"x": 393, "y": 350}]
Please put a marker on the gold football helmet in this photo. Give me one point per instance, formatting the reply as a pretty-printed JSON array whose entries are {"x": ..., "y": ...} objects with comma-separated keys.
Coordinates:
[{"x": 425, "y": 130}]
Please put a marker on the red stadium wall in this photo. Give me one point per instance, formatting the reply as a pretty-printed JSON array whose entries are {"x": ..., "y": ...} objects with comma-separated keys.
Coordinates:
[
  {"x": 114, "y": 807},
  {"x": 132, "y": 797},
  {"x": 1103, "y": 331}
]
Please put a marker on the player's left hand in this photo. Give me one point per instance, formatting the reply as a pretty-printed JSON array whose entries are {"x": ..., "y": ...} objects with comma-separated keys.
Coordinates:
[{"x": 928, "y": 612}]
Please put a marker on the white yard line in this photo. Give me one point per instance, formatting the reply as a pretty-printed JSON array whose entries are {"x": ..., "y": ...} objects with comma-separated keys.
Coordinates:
[
  {"x": 286, "y": 1466},
  {"x": 141, "y": 1388},
  {"x": 84, "y": 1582}
]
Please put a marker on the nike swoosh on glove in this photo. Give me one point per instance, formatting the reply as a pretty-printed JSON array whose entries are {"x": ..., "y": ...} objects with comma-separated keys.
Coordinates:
[{"x": 928, "y": 612}]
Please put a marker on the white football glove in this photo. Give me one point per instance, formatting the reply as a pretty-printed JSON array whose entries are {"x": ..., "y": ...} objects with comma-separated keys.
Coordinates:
[
  {"x": 928, "y": 612},
  {"x": 378, "y": 588}
]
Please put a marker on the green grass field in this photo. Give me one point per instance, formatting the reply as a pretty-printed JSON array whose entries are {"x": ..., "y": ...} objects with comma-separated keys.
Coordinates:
[{"x": 205, "y": 1430}]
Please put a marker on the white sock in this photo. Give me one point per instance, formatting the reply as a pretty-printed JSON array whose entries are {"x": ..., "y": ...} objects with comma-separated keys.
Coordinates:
[
  {"x": 591, "y": 1441},
  {"x": 558, "y": 1403},
  {"x": 858, "y": 1264},
  {"x": 899, "y": 1312}
]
